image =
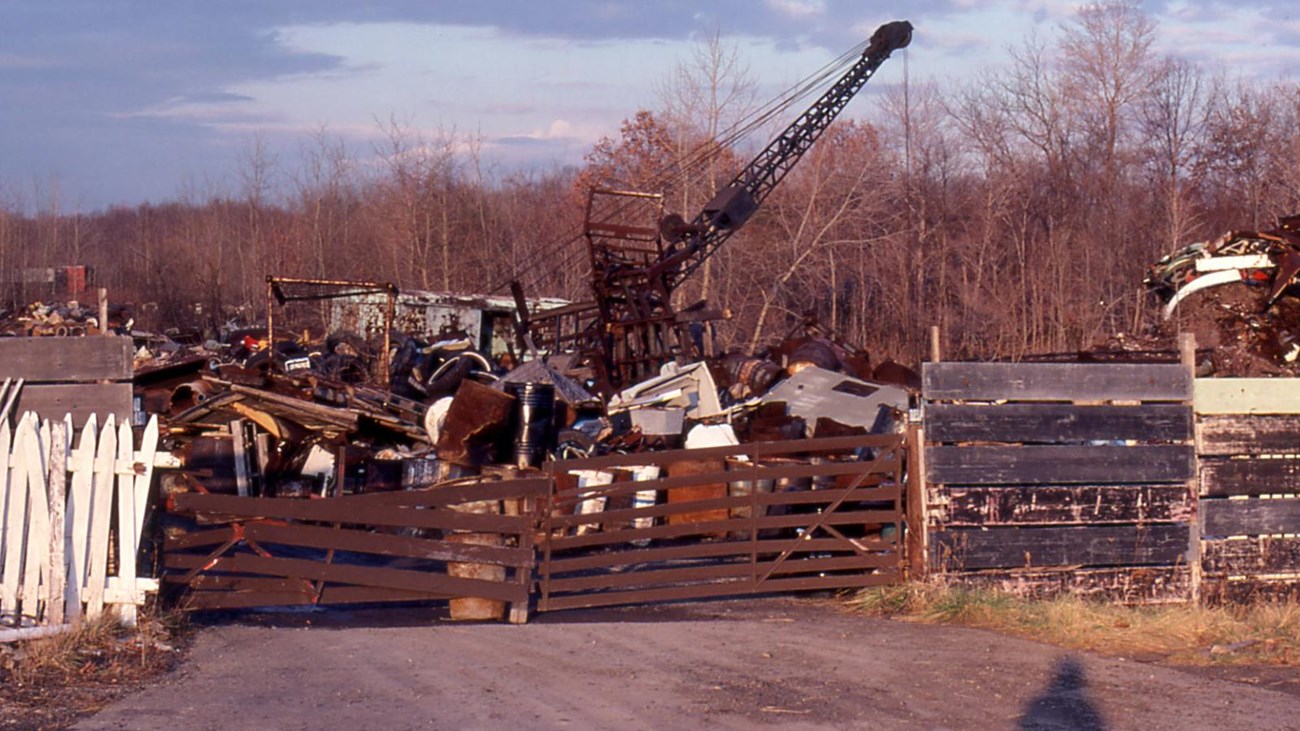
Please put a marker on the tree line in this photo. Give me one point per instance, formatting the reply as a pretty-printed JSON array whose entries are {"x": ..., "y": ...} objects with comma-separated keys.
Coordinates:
[{"x": 1017, "y": 210}]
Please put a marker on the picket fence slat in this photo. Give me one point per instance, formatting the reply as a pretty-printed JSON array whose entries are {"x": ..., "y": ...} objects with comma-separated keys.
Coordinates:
[{"x": 56, "y": 506}]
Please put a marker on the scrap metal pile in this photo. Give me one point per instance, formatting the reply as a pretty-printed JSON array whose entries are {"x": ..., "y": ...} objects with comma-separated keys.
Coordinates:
[
  {"x": 1237, "y": 294},
  {"x": 278, "y": 420}
]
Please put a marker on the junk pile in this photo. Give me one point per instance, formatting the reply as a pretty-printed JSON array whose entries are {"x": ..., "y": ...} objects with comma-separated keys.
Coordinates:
[
  {"x": 299, "y": 419},
  {"x": 1237, "y": 294},
  {"x": 61, "y": 319}
]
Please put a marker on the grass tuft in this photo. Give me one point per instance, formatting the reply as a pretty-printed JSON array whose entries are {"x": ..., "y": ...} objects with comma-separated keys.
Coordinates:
[{"x": 1265, "y": 633}]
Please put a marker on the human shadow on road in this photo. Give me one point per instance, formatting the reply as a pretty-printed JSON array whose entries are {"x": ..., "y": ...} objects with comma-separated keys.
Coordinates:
[{"x": 1064, "y": 704}]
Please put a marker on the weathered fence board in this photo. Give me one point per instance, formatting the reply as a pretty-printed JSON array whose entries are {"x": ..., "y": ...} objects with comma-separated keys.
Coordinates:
[
  {"x": 1250, "y": 517},
  {"x": 1056, "y": 423},
  {"x": 79, "y": 400},
  {"x": 1255, "y": 555},
  {"x": 67, "y": 359},
  {"x": 1246, "y": 396},
  {"x": 1058, "y": 464},
  {"x": 1224, "y": 435},
  {"x": 1261, "y": 476},
  {"x": 966, "y": 548},
  {"x": 1056, "y": 382},
  {"x": 1128, "y": 584},
  {"x": 1056, "y": 504}
]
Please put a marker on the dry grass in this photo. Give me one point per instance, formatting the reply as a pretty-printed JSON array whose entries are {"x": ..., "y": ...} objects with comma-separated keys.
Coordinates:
[
  {"x": 1184, "y": 634},
  {"x": 48, "y": 683}
]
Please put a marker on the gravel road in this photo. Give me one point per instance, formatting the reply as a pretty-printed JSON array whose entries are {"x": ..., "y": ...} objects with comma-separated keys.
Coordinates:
[{"x": 787, "y": 663}]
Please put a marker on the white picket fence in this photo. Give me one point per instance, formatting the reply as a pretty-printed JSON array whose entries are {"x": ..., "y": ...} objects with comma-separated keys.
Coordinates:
[{"x": 57, "y": 503}]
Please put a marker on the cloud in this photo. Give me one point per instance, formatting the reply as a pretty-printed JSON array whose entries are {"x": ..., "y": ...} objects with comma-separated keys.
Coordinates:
[{"x": 798, "y": 8}]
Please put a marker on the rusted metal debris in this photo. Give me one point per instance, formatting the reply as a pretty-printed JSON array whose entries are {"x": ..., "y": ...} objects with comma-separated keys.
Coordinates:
[{"x": 1237, "y": 295}]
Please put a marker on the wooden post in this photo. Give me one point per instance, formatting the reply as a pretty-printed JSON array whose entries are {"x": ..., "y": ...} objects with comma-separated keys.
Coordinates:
[
  {"x": 241, "y": 458},
  {"x": 57, "y": 485},
  {"x": 101, "y": 511},
  {"x": 128, "y": 523},
  {"x": 935, "y": 352},
  {"x": 917, "y": 531},
  {"x": 103, "y": 312},
  {"x": 1187, "y": 355}
]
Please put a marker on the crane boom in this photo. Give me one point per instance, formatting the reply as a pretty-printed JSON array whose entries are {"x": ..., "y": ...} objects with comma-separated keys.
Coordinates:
[{"x": 738, "y": 200}]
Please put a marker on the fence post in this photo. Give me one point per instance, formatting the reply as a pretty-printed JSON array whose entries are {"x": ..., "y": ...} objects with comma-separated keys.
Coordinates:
[
  {"x": 57, "y": 484},
  {"x": 1187, "y": 356}
]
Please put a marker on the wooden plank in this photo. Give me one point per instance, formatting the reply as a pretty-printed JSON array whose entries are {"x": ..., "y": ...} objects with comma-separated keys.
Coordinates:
[
  {"x": 330, "y": 511},
  {"x": 330, "y": 595},
  {"x": 1242, "y": 434},
  {"x": 1250, "y": 517},
  {"x": 1251, "y": 591},
  {"x": 56, "y": 484},
  {"x": 965, "y": 549},
  {"x": 379, "y": 544},
  {"x": 1062, "y": 464},
  {"x": 370, "y": 576},
  {"x": 242, "y": 480},
  {"x": 728, "y": 588},
  {"x": 35, "y": 564},
  {"x": 1055, "y": 382},
  {"x": 101, "y": 512},
  {"x": 559, "y": 564},
  {"x": 667, "y": 576},
  {"x": 1263, "y": 476},
  {"x": 82, "y": 467},
  {"x": 14, "y": 487},
  {"x": 65, "y": 360},
  {"x": 1054, "y": 504},
  {"x": 729, "y": 507},
  {"x": 1250, "y": 556},
  {"x": 839, "y": 519},
  {"x": 128, "y": 522},
  {"x": 80, "y": 400},
  {"x": 1147, "y": 585},
  {"x": 1247, "y": 396},
  {"x": 1057, "y": 423}
]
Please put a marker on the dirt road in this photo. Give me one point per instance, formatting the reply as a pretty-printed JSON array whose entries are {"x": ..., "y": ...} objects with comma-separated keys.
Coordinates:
[{"x": 788, "y": 663}]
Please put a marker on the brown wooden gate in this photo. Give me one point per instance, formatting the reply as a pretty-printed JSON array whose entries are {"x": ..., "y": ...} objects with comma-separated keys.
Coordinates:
[
  {"x": 468, "y": 540},
  {"x": 729, "y": 521}
]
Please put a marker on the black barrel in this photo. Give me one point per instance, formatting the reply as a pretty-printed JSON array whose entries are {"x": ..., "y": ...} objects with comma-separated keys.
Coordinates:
[{"x": 534, "y": 421}]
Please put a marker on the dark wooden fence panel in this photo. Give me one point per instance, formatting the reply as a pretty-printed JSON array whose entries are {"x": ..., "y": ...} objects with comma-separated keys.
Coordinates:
[
  {"x": 1248, "y": 440},
  {"x": 1029, "y": 491},
  {"x": 70, "y": 375}
]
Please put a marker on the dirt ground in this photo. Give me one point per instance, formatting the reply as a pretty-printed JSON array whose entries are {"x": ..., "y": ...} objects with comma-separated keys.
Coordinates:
[{"x": 785, "y": 662}]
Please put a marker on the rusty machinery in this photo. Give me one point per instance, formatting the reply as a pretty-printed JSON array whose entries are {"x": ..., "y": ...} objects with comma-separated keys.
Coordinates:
[{"x": 639, "y": 257}]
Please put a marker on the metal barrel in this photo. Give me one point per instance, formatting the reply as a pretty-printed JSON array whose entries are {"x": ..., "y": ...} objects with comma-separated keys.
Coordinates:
[{"x": 534, "y": 421}]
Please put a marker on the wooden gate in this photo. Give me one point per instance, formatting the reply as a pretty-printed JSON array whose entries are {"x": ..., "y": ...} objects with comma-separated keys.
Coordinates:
[
  {"x": 470, "y": 540},
  {"x": 755, "y": 518}
]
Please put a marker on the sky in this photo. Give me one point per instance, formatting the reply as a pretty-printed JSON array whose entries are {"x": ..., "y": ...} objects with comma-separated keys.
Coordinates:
[{"x": 120, "y": 102}]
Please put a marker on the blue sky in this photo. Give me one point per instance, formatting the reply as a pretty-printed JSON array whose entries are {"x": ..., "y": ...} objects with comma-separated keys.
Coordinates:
[{"x": 124, "y": 101}]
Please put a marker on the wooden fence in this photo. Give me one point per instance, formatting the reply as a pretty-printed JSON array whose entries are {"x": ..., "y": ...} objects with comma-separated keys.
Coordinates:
[
  {"x": 60, "y": 504},
  {"x": 1044, "y": 478},
  {"x": 1248, "y": 441},
  {"x": 79, "y": 376}
]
